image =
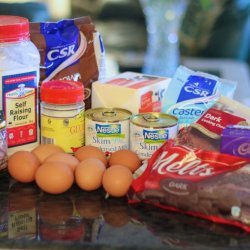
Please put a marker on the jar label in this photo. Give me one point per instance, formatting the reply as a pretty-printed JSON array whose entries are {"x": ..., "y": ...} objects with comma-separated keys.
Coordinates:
[
  {"x": 19, "y": 100},
  {"x": 66, "y": 132}
]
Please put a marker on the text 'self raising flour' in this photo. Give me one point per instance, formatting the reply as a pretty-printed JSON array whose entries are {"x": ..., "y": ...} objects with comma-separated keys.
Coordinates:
[
  {"x": 191, "y": 93},
  {"x": 19, "y": 76}
]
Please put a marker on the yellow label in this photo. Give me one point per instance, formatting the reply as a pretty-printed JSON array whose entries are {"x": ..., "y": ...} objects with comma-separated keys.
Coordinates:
[{"x": 66, "y": 132}]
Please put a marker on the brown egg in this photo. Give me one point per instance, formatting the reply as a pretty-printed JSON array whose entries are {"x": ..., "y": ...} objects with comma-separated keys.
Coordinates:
[
  {"x": 43, "y": 151},
  {"x": 86, "y": 152},
  {"x": 117, "y": 180},
  {"x": 54, "y": 177},
  {"x": 126, "y": 158},
  {"x": 68, "y": 159},
  {"x": 22, "y": 166},
  {"x": 88, "y": 174}
]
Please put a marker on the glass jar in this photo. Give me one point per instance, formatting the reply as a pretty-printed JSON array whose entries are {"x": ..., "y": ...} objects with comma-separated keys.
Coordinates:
[{"x": 62, "y": 114}]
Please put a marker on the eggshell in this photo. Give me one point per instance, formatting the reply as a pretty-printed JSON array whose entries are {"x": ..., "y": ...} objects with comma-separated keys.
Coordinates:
[
  {"x": 117, "y": 180},
  {"x": 88, "y": 174},
  {"x": 86, "y": 152},
  {"x": 66, "y": 158},
  {"x": 54, "y": 177},
  {"x": 126, "y": 158},
  {"x": 43, "y": 151},
  {"x": 22, "y": 166}
]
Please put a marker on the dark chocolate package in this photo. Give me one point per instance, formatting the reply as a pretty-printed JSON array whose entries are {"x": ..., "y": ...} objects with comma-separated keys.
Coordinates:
[
  {"x": 70, "y": 49},
  {"x": 206, "y": 132},
  {"x": 202, "y": 183}
]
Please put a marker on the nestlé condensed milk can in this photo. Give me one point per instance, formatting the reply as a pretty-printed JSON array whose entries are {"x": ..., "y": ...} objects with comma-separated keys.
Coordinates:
[
  {"x": 107, "y": 128},
  {"x": 148, "y": 131}
]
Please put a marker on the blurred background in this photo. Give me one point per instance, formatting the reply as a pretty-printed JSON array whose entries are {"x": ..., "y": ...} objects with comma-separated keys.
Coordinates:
[{"x": 155, "y": 36}]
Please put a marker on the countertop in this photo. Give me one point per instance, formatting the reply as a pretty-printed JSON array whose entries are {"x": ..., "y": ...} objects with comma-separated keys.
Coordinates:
[{"x": 32, "y": 219}]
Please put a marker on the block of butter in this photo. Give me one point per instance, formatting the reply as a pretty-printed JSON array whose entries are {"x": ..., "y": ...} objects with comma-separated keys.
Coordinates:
[{"x": 133, "y": 91}]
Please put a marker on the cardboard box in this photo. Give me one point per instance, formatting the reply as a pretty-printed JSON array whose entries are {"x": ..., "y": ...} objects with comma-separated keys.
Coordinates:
[{"x": 135, "y": 92}]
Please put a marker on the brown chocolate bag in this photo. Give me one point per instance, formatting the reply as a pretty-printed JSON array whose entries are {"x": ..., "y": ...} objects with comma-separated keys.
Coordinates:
[
  {"x": 70, "y": 49},
  {"x": 206, "y": 132}
]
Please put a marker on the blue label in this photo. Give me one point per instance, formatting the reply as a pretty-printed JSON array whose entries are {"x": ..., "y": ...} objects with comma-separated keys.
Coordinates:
[
  {"x": 18, "y": 82},
  {"x": 19, "y": 93},
  {"x": 156, "y": 136},
  {"x": 62, "y": 42},
  {"x": 108, "y": 130},
  {"x": 197, "y": 87}
]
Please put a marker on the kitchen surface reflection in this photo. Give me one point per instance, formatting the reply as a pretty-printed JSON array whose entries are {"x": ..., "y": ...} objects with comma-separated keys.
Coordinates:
[{"x": 32, "y": 219}]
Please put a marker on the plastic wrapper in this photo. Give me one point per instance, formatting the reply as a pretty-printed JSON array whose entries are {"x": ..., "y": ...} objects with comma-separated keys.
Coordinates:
[
  {"x": 191, "y": 93},
  {"x": 197, "y": 182},
  {"x": 70, "y": 49},
  {"x": 235, "y": 140},
  {"x": 206, "y": 132}
]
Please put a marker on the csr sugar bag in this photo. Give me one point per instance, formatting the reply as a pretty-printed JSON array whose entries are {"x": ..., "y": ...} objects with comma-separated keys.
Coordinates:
[
  {"x": 190, "y": 93},
  {"x": 70, "y": 49}
]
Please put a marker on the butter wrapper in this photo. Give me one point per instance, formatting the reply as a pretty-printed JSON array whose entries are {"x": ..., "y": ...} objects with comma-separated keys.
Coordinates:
[
  {"x": 235, "y": 140},
  {"x": 133, "y": 91}
]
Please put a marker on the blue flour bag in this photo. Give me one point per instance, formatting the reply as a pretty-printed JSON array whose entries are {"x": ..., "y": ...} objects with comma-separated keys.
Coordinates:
[{"x": 191, "y": 93}]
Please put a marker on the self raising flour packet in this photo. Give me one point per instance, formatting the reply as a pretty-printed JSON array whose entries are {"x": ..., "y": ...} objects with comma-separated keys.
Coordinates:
[
  {"x": 201, "y": 183},
  {"x": 191, "y": 93},
  {"x": 70, "y": 49}
]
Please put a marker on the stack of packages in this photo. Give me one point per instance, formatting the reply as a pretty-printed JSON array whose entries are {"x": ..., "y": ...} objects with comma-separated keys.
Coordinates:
[
  {"x": 204, "y": 171},
  {"x": 68, "y": 50}
]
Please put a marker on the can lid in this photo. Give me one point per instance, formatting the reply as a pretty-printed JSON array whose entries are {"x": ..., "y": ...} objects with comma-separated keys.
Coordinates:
[
  {"x": 154, "y": 120},
  {"x": 13, "y": 28},
  {"x": 108, "y": 114},
  {"x": 62, "y": 92}
]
